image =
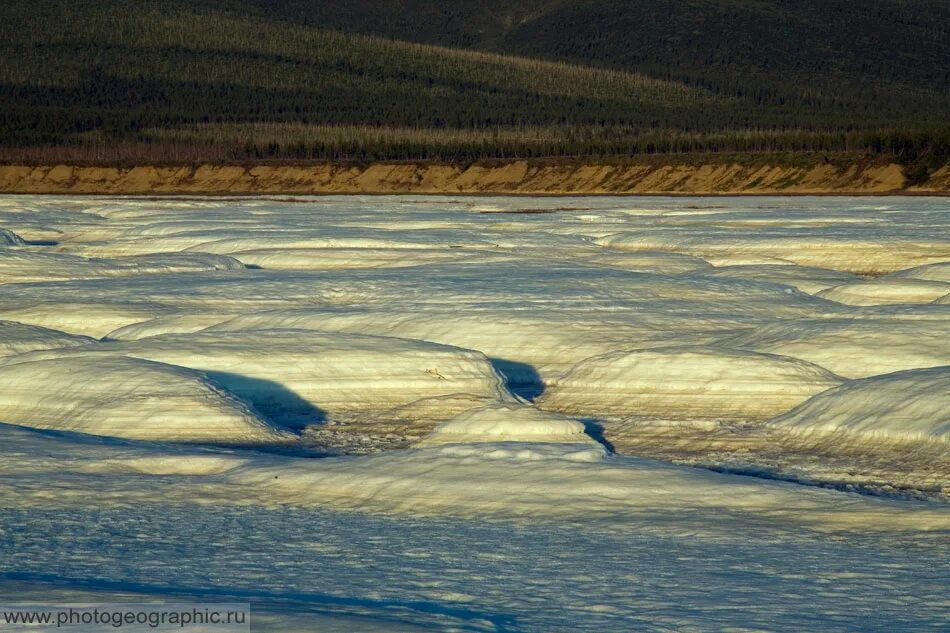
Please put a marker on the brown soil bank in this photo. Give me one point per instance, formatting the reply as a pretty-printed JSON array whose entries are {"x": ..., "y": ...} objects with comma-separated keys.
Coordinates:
[{"x": 514, "y": 177}]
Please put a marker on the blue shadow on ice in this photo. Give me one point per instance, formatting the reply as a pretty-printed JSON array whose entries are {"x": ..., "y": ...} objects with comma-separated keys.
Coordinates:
[
  {"x": 296, "y": 603},
  {"x": 521, "y": 379},
  {"x": 274, "y": 402}
]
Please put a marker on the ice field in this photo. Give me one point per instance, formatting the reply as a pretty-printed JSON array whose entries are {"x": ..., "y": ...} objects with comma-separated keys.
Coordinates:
[{"x": 481, "y": 414}]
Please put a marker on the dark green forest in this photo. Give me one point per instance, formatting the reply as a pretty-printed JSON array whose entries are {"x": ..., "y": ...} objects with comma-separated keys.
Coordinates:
[{"x": 237, "y": 80}]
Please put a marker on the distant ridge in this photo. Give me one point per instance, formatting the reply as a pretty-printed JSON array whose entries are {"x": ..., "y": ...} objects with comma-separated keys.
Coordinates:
[{"x": 146, "y": 81}]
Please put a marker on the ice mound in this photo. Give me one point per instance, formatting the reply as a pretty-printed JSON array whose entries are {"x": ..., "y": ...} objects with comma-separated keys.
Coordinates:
[
  {"x": 930, "y": 272},
  {"x": 636, "y": 494},
  {"x": 24, "y": 266},
  {"x": 525, "y": 451},
  {"x": 533, "y": 342},
  {"x": 686, "y": 383},
  {"x": 907, "y": 405},
  {"x": 888, "y": 290},
  {"x": 18, "y": 338},
  {"x": 347, "y": 258},
  {"x": 854, "y": 250},
  {"x": 127, "y": 398},
  {"x": 526, "y": 348},
  {"x": 124, "y": 246},
  {"x": 463, "y": 480},
  {"x": 665, "y": 263},
  {"x": 92, "y": 318},
  {"x": 156, "y": 263},
  {"x": 505, "y": 431},
  {"x": 299, "y": 377},
  {"x": 9, "y": 238},
  {"x": 181, "y": 323},
  {"x": 508, "y": 423},
  {"x": 234, "y": 242},
  {"x": 854, "y": 348},
  {"x": 805, "y": 278}
]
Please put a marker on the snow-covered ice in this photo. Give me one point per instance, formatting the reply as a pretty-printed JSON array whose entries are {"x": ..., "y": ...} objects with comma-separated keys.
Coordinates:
[
  {"x": 866, "y": 345},
  {"x": 907, "y": 405},
  {"x": 650, "y": 414},
  {"x": 887, "y": 291},
  {"x": 127, "y": 397},
  {"x": 687, "y": 383},
  {"x": 18, "y": 338},
  {"x": 300, "y": 377}
]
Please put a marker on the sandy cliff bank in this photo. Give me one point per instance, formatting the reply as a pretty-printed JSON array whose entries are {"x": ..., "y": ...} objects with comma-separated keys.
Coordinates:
[{"x": 516, "y": 177}]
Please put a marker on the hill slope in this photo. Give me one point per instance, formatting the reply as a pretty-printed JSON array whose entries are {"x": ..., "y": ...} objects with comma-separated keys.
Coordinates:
[
  {"x": 366, "y": 79},
  {"x": 872, "y": 57}
]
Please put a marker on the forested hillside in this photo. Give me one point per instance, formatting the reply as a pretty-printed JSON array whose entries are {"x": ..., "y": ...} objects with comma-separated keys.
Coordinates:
[{"x": 195, "y": 80}]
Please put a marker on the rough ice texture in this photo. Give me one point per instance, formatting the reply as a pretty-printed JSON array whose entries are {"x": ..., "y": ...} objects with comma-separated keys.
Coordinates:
[
  {"x": 687, "y": 383},
  {"x": 822, "y": 242},
  {"x": 532, "y": 295},
  {"x": 658, "y": 262},
  {"x": 805, "y": 278},
  {"x": 129, "y": 398},
  {"x": 179, "y": 323},
  {"x": 537, "y": 293},
  {"x": 908, "y": 405},
  {"x": 23, "y": 266},
  {"x": 631, "y": 493},
  {"x": 301, "y": 377},
  {"x": 18, "y": 338}
]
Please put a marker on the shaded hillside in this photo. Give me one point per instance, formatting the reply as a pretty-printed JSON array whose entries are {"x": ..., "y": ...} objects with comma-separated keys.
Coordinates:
[
  {"x": 248, "y": 79},
  {"x": 881, "y": 58}
]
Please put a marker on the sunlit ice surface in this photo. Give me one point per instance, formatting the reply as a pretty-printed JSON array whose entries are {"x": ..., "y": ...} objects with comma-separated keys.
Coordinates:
[{"x": 479, "y": 413}]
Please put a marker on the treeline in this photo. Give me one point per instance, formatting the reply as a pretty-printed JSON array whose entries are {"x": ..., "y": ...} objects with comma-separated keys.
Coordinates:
[
  {"x": 921, "y": 151},
  {"x": 362, "y": 143}
]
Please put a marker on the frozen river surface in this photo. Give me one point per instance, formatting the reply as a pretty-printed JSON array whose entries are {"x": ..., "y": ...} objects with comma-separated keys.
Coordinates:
[{"x": 499, "y": 414}]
